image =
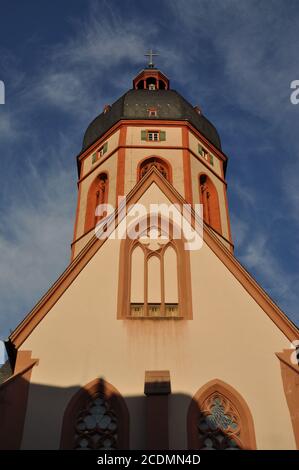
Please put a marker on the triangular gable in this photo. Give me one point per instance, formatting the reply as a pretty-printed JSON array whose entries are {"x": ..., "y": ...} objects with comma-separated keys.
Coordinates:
[{"x": 24, "y": 329}]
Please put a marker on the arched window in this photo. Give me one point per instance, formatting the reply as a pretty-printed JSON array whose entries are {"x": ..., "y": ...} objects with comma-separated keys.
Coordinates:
[
  {"x": 209, "y": 200},
  {"x": 97, "y": 194},
  {"x": 158, "y": 163},
  {"x": 219, "y": 419},
  {"x": 96, "y": 418},
  {"x": 148, "y": 292},
  {"x": 154, "y": 276}
]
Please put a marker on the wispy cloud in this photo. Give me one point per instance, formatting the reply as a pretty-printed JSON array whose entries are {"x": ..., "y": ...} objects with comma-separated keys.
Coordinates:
[
  {"x": 254, "y": 61},
  {"x": 83, "y": 68},
  {"x": 251, "y": 46},
  {"x": 35, "y": 228},
  {"x": 290, "y": 184},
  {"x": 8, "y": 130},
  {"x": 244, "y": 194},
  {"x": 256, "y": 251}
]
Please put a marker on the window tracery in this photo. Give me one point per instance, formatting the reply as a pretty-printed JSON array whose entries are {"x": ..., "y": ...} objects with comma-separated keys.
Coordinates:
[
  {"x": 154, "y": 273},
  {"x": 218, "y": 424},
  {"x": 96, "y": 425},
  {"x": 219, "y": 419},
  {"x": 154, "y": 276}
]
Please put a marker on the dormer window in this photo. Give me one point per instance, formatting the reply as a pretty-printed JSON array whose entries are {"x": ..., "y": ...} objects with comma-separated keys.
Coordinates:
[
  {"x": 107, "y": 108},
  {"x": 152, "y": 112}
]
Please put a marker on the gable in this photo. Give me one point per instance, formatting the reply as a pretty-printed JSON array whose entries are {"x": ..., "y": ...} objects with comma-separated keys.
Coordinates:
[
  {"x": 79, "y": 337},
  {"x": 155, "y": 188}
]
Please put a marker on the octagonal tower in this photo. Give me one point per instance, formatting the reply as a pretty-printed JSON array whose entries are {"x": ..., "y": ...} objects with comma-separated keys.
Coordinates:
[{"x": 151, "y": 125}]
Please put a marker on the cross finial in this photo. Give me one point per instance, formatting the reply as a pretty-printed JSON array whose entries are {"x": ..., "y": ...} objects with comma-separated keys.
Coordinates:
[{"x": 150, "y": 54}]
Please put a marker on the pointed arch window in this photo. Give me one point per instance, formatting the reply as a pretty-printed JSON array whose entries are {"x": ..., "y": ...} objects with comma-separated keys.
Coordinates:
[
  {"x": 219, "y": 424},
  {"x": 97, "y": 195},
  {"x": 210, "y": 201},
  {"x": 155, "y": 294},
  {"x": 96, "y": 425},
  {"x": 96, "y": 418},
  {"x": 158, "y": 163},
  {"x": 219, "y": 419},
  {"x": 154, "y": 277}
]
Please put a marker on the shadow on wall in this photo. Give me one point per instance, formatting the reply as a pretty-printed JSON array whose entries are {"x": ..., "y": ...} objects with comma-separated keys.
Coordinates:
[{"x": 98, "y": 417}]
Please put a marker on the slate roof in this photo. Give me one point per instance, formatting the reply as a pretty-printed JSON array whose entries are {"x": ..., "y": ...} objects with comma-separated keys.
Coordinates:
[{"x": 134, "y": 104}]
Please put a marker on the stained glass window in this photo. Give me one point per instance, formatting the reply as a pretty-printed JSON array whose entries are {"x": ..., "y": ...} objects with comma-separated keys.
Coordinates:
[
  {"x": 96, "y": 425},
  {"x": 219, "y": 424}
]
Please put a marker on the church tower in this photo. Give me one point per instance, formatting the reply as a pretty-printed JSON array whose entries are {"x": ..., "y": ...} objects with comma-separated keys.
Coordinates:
[
  {"x": 147, "y": 342},
  {"x": 151, "y": 126}
]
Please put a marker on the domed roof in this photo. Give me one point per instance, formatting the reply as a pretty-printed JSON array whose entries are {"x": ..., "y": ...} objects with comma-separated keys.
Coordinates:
[{"x": 135, "y": 104}]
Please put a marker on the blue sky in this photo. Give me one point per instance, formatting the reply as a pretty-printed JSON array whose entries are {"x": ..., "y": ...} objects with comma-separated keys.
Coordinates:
[{"x": 62, "y": 61}]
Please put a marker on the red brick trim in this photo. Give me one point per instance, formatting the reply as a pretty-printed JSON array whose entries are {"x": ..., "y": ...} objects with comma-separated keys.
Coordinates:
[{"x": 187, "y": 166}]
